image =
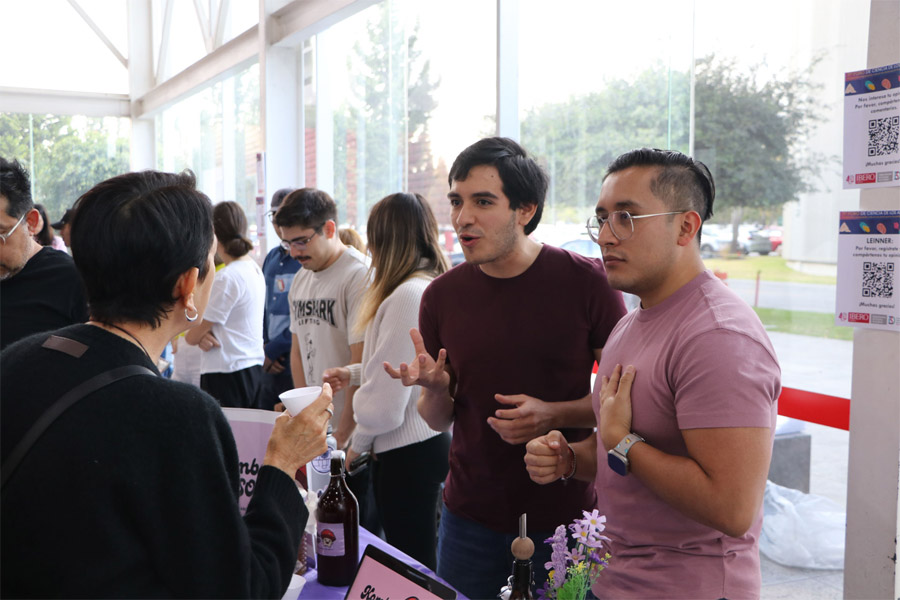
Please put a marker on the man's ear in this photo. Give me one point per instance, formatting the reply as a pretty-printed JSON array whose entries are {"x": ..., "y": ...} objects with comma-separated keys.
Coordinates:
[
  {"x": 34, "y": 221},
  {"x": 185, "y": 285},
  {"x": 329, "y": 228},
  {"x": 525, "y": 213},
  {"x": 690, "y": 225}
]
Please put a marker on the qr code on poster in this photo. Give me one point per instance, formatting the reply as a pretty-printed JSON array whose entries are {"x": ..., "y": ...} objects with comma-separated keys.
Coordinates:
[
  {"x": 878, "y": 280},
  {"x": 883, "y": 136}
]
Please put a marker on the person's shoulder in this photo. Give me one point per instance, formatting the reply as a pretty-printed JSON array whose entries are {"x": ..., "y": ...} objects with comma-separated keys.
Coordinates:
[
  {"x": 48, "y": 258},
  {"x": 409, "y": 289},
  {"x": 570, "y": 268},
  {"x": 272, "y": 256},
  {"x": 168, "y": 395},
  {"x": 356, "y": 259},
  {"x": 562, "y": 258},
  {"x": 722, "y": 311}
]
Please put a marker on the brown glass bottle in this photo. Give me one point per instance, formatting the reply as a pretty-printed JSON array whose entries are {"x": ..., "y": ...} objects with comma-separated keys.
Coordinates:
[{"x": 337, "y": 529}]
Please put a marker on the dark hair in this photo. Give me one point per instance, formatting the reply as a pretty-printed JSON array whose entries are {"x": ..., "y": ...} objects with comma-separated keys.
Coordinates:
[
  {"x": 15, "y": 187},
  {"x": 133, "y": 236},
  {"x": 683, "y": 183},
  {"x": 45, "y": 236},
  {"x": 306, "y": 207},
  {"x": 278, "y": 197},
  {"x": 524, "y": 181},
  {"x": 230, "y": 224}
]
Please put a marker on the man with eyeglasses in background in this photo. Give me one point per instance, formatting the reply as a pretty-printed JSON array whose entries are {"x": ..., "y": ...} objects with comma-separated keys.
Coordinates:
[
  {"x": 40, "y": 288},
  {"x": 685, "y": 399},
  {"x": 324, "y": 296},
  {"x": 279, "y": 269}
]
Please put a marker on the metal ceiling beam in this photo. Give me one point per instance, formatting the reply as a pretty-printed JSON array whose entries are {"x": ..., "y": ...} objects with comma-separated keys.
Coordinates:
[
  {"x": 26, "y": 100},
  {"x": 96, "y": 29}
]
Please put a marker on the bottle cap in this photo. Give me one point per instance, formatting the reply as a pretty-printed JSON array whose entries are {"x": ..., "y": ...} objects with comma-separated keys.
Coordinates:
[
  {"x": 337, "y": 462},
  {"x": 522, "y": 547}
]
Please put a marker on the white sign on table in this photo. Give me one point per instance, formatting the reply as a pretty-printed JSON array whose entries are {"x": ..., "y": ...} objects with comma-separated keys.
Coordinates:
[
  {"x": 872, "y": 128},
  {"x": 251, "y": 429},
  {"x": 868, "y": 263}
]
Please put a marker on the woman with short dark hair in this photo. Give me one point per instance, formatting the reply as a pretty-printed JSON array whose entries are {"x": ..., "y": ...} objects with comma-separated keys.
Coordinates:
[
  {"x": 132, "y": 491},
  {"x": 230, "y": 333}
]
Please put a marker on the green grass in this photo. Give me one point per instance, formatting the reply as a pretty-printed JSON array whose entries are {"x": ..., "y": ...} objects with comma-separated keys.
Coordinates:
[
  {"x": 803, "y": 323},
  {"x": 771, "y": 268}
]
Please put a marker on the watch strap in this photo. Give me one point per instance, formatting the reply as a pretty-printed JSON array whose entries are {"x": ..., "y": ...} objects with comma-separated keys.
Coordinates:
[{"x": 627, "y": 442}]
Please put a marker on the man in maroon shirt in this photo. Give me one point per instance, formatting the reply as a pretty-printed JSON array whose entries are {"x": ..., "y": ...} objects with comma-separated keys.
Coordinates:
[{"x": 507, "y": 343}]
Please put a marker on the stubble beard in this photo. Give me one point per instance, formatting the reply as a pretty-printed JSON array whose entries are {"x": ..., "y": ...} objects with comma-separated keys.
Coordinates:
[{"x": 507, "y": 238}]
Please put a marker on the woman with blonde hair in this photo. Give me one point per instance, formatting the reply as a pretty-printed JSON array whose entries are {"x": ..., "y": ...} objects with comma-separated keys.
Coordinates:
[{"x": 411, "y": 458}]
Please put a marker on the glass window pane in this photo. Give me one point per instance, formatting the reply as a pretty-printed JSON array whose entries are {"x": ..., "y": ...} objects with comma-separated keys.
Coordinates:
[
  {"x": 394, "y": 84},
  {"x": 59, "y": 51},
  {"x": 215, "y": 133},
  {"x": 186, "y": 45},
  {"x": 593, "y": 97},
  {"x": 65, "y": 155}
]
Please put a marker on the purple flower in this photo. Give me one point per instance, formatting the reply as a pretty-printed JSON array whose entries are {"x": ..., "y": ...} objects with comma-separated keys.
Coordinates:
[
  {"x": 595, "y": 520},
  {"x": 576, "y": 556},
  {"x": 558, "y": 556}
]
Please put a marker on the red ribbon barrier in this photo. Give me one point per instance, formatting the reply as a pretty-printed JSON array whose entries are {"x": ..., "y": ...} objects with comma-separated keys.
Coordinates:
[
  {"x": 822, "y": 409},
  {"x": 815, "y": 408}
]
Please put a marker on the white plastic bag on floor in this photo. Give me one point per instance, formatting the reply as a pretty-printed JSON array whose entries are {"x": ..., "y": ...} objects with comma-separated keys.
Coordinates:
[{"x": 802, "y": 530}]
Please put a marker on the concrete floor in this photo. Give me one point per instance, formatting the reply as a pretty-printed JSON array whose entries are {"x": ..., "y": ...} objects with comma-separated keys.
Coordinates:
[
  {"x": 822, "y": 366},
  {"x": 828, "y": 478}
]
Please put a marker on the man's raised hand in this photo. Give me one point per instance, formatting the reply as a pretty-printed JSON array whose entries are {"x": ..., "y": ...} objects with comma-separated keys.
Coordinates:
[{"x": 423, "y": 370}]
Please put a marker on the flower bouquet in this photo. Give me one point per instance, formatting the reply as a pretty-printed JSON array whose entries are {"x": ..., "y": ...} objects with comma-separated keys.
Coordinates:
[{"x": 572, "y": 572}]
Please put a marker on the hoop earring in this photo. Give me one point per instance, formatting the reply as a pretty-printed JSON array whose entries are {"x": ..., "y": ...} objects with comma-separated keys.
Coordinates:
[{"x": 190, "y": 318}]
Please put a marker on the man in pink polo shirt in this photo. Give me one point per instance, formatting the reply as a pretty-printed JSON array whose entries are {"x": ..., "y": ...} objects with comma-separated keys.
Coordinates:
[{"x": 685, "y": 398}]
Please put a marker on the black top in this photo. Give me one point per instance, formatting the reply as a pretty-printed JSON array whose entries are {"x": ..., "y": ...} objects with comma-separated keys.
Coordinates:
[
  {"x": 46, "y": 294},
  {"x": 134, "y": 490}
]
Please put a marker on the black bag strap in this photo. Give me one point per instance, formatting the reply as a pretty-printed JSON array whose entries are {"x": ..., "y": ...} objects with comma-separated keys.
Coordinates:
[{"x": 65, "y": 402}]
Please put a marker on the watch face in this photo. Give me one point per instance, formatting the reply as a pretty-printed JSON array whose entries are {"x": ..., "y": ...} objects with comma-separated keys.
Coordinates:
[{"x": 617, "y": 463}]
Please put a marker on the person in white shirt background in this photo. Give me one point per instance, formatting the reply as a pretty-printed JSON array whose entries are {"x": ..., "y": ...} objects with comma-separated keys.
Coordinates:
[{"x": 230, "y": 334}]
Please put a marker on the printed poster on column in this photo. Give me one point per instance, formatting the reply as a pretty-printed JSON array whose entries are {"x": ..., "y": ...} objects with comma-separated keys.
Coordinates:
[
  {"x": 868, "y": 262},
  {"x": 872, "y": 128}
]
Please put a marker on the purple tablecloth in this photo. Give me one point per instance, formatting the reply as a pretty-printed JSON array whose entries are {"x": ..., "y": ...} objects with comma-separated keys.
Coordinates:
[{"x": 313, "y": 590}]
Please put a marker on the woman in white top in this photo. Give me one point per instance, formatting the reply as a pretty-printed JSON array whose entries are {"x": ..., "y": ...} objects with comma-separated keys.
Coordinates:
[
  {"x": 410, "y": 458},
  {"x": 230, "y": 334}
]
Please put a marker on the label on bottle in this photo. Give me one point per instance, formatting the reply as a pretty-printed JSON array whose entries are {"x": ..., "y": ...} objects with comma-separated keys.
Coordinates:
[
  {"x": 322, "y": 463},
  {"x": 330, "y": 539}
]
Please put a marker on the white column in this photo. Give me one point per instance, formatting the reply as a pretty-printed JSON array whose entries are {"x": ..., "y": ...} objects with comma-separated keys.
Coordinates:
[
  {"x": 324, "y": 113},
  {"x": 281, "y": 108},
  {"x": 873, "y": 481},
  {"x": 508, "y": 69},
  {"x": 140, "y": 81}
]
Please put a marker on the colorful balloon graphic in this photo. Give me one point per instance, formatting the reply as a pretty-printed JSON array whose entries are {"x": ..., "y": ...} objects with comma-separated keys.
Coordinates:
[
  {"x": 865, "y": 227},
  {"x": 870, "y": 85},
  {"x": 881, "y": 228},
  {"x": 886, "y": 84}
]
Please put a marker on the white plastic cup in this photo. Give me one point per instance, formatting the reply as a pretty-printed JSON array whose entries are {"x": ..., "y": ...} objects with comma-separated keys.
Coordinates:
[{"x": 297, "y": 399}]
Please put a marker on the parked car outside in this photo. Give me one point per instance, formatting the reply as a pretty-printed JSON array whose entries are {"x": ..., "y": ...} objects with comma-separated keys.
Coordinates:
[
  {"x": 583, "y": 247},
  {"x": 716, "y": 239},
  {"x": 765, "y": 241}
]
